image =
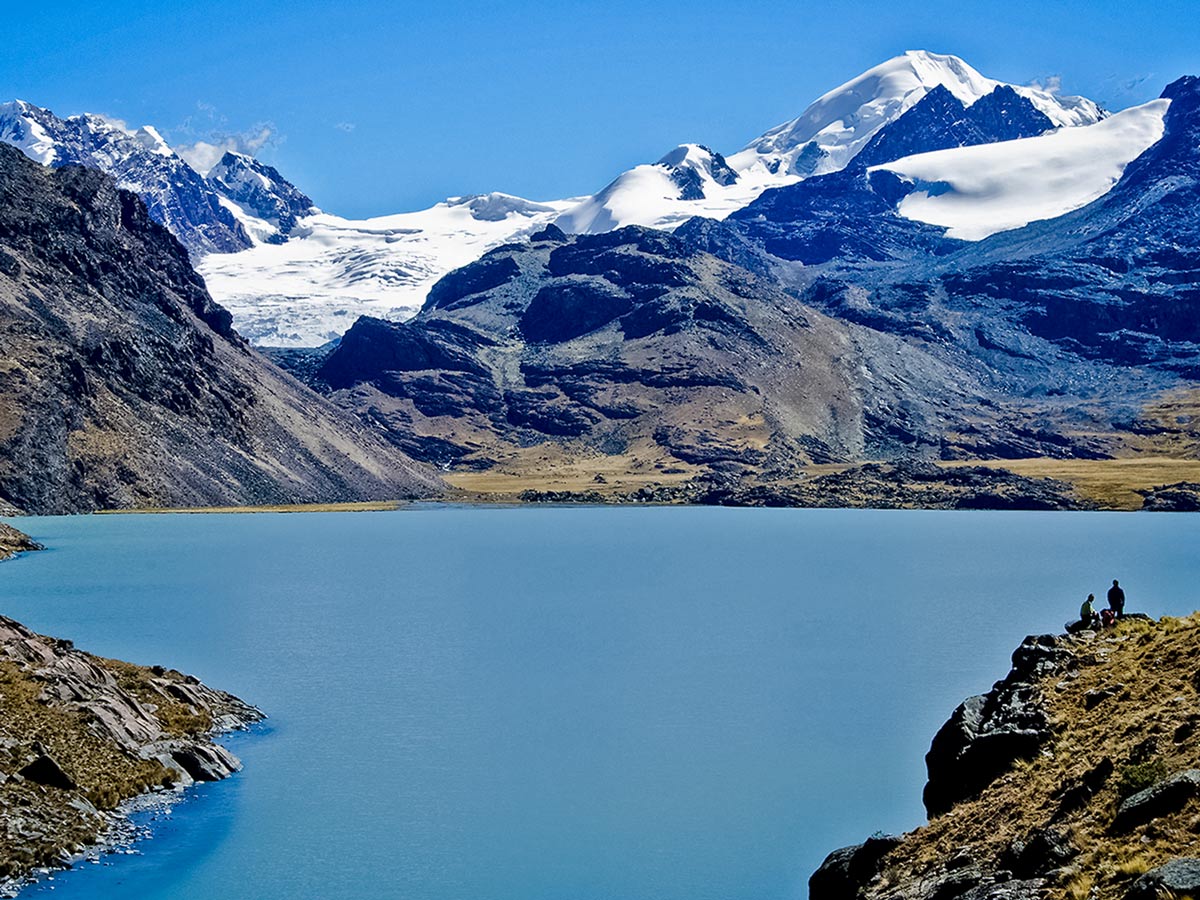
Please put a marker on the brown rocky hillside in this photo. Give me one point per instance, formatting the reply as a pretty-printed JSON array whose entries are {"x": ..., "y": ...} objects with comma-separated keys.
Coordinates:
[{"x": 1077, "y": 776}]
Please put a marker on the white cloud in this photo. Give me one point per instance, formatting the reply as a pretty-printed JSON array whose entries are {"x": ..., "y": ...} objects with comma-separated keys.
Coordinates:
[
  {"x": 1051, "y": 84},
  {"x": 204, "y": 154}
]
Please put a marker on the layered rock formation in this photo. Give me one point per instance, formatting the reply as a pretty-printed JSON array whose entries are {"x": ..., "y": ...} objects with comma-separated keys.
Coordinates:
[
  {"x": 80, "y": 734},
  {"x": 123, "y": 383},
  {"x": 13, "y": 542},
  {"x": 1075, "y": 776}
]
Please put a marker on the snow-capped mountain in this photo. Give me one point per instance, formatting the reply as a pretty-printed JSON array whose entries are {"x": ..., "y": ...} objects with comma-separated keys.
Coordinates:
[
  {"x": 140, "y": 160},
  {"x": 691, "y": 180},
  {"x": 311, "y": 288},
  {"x": 823, "y": 139},
  {"x": 294, "y": 276},
  {"x": 827, "y": 135},
  {"x": 267, "y": 204},
  {"x": 977, "y": 191}
]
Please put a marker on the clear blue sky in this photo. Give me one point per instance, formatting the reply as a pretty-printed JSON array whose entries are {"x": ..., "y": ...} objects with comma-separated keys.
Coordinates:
[{"x": 380, "y": 107}]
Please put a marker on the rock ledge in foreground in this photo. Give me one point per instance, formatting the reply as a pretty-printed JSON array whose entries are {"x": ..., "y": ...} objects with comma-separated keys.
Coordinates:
[{"x": 79, "y": 734}]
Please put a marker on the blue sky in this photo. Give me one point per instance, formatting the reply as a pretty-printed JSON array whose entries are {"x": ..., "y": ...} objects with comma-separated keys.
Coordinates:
[{"x": 378, "y": 107}]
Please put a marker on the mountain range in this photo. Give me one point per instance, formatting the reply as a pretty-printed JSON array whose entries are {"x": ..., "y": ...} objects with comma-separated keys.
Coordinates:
[
  {"x": 294, "y": 276},
  {"x": 925, "y": 265}
]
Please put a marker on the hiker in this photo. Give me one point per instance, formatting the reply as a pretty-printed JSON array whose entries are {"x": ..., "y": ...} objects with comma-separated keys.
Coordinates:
[
  {"x": 1108, "y": 618},
  {"x": 1116, "y": 600},
  {"x": 1087, "y": 613}
]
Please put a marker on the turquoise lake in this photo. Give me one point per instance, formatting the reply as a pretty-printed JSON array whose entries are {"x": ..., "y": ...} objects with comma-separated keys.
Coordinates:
[{"x": 566, "y": 703}]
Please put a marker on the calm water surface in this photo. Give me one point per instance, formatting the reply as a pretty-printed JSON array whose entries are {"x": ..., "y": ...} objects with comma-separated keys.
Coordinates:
[{"x": 569, "y": 704}]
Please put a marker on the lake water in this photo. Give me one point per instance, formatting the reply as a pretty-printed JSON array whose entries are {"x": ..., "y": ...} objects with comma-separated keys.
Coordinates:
[{"x": 569, "y": 704}]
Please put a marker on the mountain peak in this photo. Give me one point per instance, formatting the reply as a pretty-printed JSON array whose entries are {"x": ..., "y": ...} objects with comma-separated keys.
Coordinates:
[
  {"x": 836, "y": 126},
  {"x": 139, "y": 159},
  {"x": 267, "y": 204}
]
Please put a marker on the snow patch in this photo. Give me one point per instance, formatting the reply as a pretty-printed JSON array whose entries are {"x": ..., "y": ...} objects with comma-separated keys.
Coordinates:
[
  {"x": 978, "y": 191},
  {"x": 310, "y": 289},
  {"x": 827, "y": 135}
]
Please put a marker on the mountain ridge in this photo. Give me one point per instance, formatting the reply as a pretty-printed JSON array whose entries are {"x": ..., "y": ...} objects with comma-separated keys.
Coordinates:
[
  {"x": 337, "y": 268},
  {"x": 124, "y": 383}
]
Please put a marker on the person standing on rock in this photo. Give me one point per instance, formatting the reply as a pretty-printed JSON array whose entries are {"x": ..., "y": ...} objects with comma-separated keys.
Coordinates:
[{"x": 1116, "y": 600}]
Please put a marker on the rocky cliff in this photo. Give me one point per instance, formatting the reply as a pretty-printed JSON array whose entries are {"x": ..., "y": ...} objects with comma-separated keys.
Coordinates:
[
  {"x": 80, "y": 734},
  {"x": 1077, "y": 776},
  {"x": 123, "y": 384}
]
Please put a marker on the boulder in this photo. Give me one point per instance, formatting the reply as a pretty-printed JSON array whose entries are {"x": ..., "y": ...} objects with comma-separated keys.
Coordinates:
[
  {"x": 845, "y": 872},
  {"x": 1178, "y": 878},
  {"x": 1167, "y": 796},
  {"x": 1073, "y": 794},
  {"x": 1041, "y": 851},
  {"x": 206, "y": 762},
  {"x": 45, "y": 770},
  {"x": 986, "y": 734}
]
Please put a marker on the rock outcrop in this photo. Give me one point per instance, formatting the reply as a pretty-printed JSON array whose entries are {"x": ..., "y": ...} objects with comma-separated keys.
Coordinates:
[
  {"x": 988, "y": 733},
  {"x": 1075, "y": 776},
  {"x": 124, "y": 384},
  {"x": 79, "y": 734},
  {"x": 13, "y": 542},
  {"x": 1184, "y": 496}
]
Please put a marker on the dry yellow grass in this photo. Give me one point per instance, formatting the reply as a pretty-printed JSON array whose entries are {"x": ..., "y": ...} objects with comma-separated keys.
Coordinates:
[
  {"x": 1152, "y": 715},
  {"x": 1112, "y": 483},
  {"x": 368, "y": 506}
]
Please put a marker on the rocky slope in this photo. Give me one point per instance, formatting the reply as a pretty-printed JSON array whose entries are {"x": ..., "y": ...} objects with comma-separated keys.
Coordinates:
[
  {"x": 636, "y": 343},
  {"x": 13, "y": 542},
  {"x": 1075, "y": 777},
  {"x": 80, "y": 734},
  {"x": 123, "y": 384},
  {"x": 641, "y": 345}
]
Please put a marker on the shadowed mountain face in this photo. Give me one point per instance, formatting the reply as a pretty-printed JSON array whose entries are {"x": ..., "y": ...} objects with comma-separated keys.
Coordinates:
[
  {"x": 634, "y": 343},
  {"x": 261, "y": 192},
  {"x": 816, "y": 325},
  {"x": 123, "y": 384}
]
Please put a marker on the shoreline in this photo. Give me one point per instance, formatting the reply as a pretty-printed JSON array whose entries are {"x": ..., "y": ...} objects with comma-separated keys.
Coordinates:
[
  {"x": 122, "y": 833},
  {"x": 82, "y": 735},
  {"x": 1118, "y": 485}
]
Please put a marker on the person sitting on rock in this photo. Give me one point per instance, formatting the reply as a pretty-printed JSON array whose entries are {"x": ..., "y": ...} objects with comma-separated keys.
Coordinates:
[
  {"x": 1087, "y": 614},
  {"x": 1116, "y": 600},
  {"x": 1108, "y": 618}
]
